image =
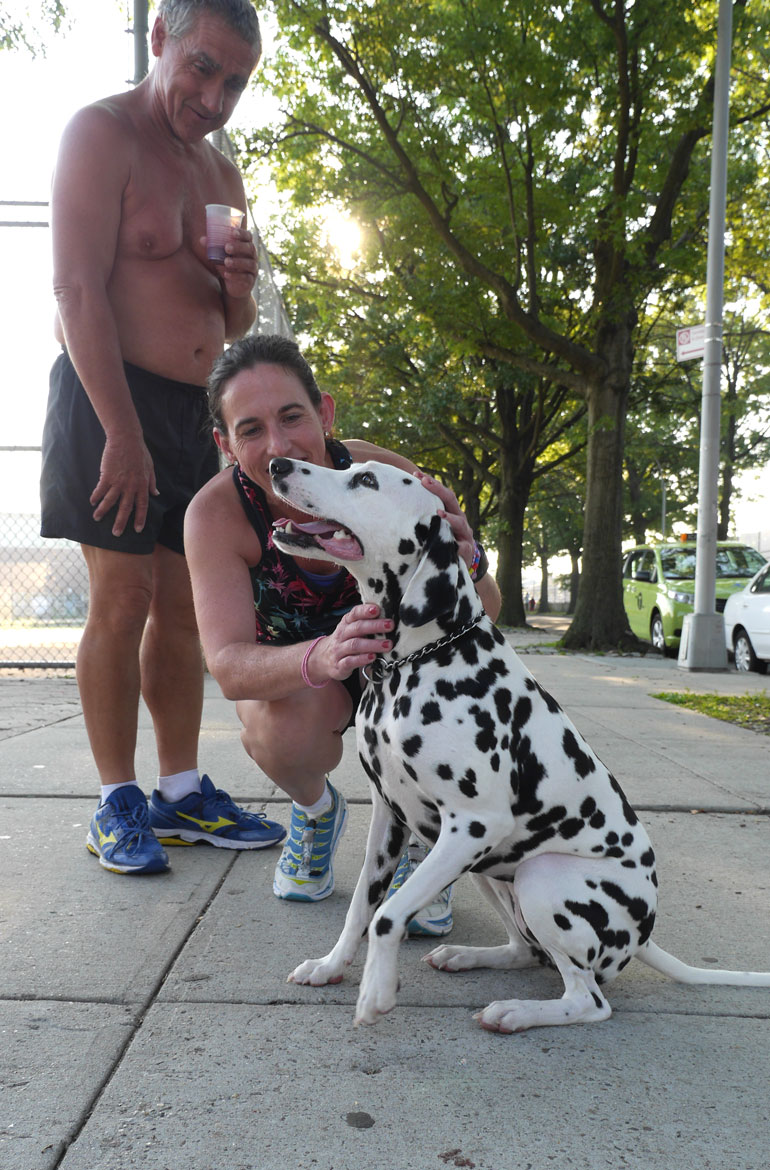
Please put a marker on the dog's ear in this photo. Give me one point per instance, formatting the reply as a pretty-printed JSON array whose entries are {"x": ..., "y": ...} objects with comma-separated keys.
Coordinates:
[{"x": 432, "y": 591}]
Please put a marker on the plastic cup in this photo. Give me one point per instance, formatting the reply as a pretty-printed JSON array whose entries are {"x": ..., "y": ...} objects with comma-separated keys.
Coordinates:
[{"x": 220, "y": 219}]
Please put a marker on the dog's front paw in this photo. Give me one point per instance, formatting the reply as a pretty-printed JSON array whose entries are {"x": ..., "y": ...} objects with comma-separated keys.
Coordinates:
[
  {"x": 371, "y": 1006},
  {"x": 377, "y": 996},
  {"x": 316, "y": 972}
]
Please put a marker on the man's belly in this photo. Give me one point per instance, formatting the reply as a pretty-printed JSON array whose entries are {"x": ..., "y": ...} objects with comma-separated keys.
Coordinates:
[{"x": 170, "y": 316}]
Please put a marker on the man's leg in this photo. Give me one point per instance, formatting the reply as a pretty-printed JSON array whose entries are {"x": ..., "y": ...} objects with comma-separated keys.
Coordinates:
[
  {"x": 108, "y": 657},
  {"x": 186, "y": 808},
  {"x": 172, "y": 664},
  {"x": 108, "y": 679}
]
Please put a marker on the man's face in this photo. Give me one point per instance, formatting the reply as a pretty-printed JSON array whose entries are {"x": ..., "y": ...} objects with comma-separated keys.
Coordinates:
[{"x": 200, "y": 76}]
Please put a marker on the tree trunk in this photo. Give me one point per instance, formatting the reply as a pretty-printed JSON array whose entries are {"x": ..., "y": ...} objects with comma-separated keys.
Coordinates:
[
  {"x": 574, "y": 581},
  {"x": 512, "y": 506},
  {"x": 600, "y": 620},
  {"x": 544, "y": 604}
]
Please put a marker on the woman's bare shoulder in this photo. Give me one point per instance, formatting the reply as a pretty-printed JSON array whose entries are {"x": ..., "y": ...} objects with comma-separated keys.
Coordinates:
[{"x": 361, "y": 451}]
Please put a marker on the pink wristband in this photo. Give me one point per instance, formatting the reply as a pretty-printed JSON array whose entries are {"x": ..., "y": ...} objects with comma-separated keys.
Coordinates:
[{"x": 305, "y": 679}]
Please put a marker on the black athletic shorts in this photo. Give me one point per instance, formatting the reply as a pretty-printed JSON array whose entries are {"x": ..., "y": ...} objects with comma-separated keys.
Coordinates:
[{"x": 174, "y": 419}]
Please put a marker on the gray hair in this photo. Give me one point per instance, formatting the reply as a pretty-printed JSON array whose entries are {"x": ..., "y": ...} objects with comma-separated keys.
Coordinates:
[{"x": 179, "y": 16}]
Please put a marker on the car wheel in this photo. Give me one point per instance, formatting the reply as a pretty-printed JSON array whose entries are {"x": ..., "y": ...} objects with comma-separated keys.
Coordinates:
[
  {"x": 745, "y": 658},
  {"x": 657, "y": 637}
]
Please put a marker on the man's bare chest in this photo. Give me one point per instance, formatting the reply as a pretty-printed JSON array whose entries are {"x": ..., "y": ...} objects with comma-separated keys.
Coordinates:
[{"x": 163, "y": 208}]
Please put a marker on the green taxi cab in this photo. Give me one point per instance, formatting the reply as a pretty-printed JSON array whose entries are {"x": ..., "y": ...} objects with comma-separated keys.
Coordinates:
[{"x": 659, "y": 584}]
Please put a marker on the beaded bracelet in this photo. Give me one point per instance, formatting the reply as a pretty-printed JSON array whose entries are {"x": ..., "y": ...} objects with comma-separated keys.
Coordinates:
[
  {"x": 308, "y": 652},
  {"x": 479, "y": 565}
]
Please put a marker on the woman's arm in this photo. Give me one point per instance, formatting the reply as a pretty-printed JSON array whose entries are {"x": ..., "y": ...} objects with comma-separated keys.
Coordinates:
[{"x": 220, "y": 546}]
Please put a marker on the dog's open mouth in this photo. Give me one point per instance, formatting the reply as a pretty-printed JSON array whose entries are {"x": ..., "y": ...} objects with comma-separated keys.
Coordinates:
[{"x": 328, "y": 535}]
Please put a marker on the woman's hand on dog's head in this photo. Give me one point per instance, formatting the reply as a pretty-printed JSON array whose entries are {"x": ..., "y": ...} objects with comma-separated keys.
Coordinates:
[{"x": 453, "y": 514}]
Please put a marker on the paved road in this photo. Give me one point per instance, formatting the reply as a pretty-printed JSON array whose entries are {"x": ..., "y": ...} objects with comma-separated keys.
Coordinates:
[{"x": 147, "y": 1022}]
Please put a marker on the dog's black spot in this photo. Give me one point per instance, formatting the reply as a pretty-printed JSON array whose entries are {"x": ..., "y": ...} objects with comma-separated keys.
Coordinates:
[
  {"x": 476, "y": 829},
  {"x": 503, "y": 699},
  {"x": 486, "y": 738},
  {"x": 631, "y": 817},
  {"x": 430, "y": 712},
  {"x": 562, "y": 922},
  {"x": 597, "y": 820},
  {"x": 406, "y": 547},
  {"x": 396, "y": 841},
  {"x": 444, "y": 772},
  {"x": 627, "y": 839},
  {"x": 384, "y": 926},
  {"x": 570, "y": 827},
  {"x": 522, "y": 711},
  {"x": 588, "y": 807},
  {"x": 584, "y": 765},
  {"x": 412, "y": 745},
  {"x": 549, "y": 700},
  {"x": 545, "y": 819},
  {"x": 467, "y": 784},
  {"x": 648, "y": 858},
  {"x": 402, "y": 707}
]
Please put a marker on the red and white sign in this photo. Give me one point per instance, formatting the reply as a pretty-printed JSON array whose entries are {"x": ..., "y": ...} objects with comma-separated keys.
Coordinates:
[{"x": 690, "y": 343}]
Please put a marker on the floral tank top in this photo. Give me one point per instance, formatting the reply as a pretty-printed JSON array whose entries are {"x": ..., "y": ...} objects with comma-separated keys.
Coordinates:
[{"x": 291, "y": 605}]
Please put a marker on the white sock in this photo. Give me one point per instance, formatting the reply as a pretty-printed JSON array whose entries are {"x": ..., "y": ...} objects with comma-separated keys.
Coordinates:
[
  {"x": 108, "y": 789},
  {"x": 178, "y": 786},
  {"x": 322, "y": 805}
]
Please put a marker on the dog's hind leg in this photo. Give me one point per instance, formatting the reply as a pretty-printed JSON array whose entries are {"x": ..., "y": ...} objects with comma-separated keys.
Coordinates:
[
  {"x": 575, "y": 911},
  {"x": 384, "y": 847},
  {"x": 513, "y": 955}
]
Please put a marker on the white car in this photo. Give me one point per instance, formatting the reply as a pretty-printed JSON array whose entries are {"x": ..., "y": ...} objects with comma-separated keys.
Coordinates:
[{"x": 747, "y": 623}]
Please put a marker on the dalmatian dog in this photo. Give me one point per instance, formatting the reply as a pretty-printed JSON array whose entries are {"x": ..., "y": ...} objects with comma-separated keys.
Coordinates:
[{"x": 464, "y": 748}]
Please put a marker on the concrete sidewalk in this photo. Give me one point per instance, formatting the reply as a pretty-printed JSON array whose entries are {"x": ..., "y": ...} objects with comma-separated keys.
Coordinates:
[{"x": 147, "y": 1022}]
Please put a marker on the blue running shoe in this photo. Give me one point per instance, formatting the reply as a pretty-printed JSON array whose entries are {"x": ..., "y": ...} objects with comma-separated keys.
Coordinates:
[
  {"x": 435, "y": 919},
  {"x": 211, "y": 816},
  {"x": 304, "y": 870},
  {"x": 121, "y": 837}
]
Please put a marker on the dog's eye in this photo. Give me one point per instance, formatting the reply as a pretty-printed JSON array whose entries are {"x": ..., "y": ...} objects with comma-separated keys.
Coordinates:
[{"x": 364, "y": 479}]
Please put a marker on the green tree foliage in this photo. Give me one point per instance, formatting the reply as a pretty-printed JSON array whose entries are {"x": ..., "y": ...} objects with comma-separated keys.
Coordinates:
[
  {"x": 530, "y": 174},
  {"x": 25, "y": 26}
]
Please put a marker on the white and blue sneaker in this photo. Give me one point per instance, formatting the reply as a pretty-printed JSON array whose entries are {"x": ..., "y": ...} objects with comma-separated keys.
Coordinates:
[
  {"x": 304, "y": 871},
  {"x": 435, "y": 919}
]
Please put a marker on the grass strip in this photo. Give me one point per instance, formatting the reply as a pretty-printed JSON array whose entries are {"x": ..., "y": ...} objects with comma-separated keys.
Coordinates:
[{"x": 749, "y": 711}]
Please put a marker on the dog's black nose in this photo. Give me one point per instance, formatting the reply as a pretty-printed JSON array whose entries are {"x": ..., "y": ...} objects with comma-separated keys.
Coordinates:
[{"x": 281, "y": 466}]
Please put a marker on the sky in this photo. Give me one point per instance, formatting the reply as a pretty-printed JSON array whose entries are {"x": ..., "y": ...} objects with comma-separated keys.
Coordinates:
[{"x": 88, "y": 60}]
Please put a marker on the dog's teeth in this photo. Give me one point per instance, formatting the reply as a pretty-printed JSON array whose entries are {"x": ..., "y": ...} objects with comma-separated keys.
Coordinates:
[{"x": 340, "y": 534}]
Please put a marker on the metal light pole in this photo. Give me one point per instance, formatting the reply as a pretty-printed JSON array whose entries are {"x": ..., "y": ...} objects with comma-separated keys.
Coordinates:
[
  {"x": 703, "y": 632},
  {"x": 140, "y": 40}
]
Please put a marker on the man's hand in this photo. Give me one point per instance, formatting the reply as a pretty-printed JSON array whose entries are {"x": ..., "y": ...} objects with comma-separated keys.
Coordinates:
[
  {"x": 238, "y": 273},
  {"x": 127, "y": 478}
]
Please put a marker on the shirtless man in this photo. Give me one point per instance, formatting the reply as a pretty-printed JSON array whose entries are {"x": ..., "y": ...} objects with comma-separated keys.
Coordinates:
[{"x": 142, "y": 314}]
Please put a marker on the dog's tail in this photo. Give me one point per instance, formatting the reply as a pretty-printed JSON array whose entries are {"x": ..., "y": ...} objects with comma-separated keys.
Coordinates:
[{"x": 654, "y": 956}]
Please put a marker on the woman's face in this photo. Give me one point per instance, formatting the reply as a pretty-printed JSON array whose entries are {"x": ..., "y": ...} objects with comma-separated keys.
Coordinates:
[{"x": 267, "y": 414}]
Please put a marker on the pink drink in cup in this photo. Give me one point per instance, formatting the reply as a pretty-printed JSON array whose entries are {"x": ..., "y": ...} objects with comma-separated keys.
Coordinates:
[{"x": 219, "y": 220}]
